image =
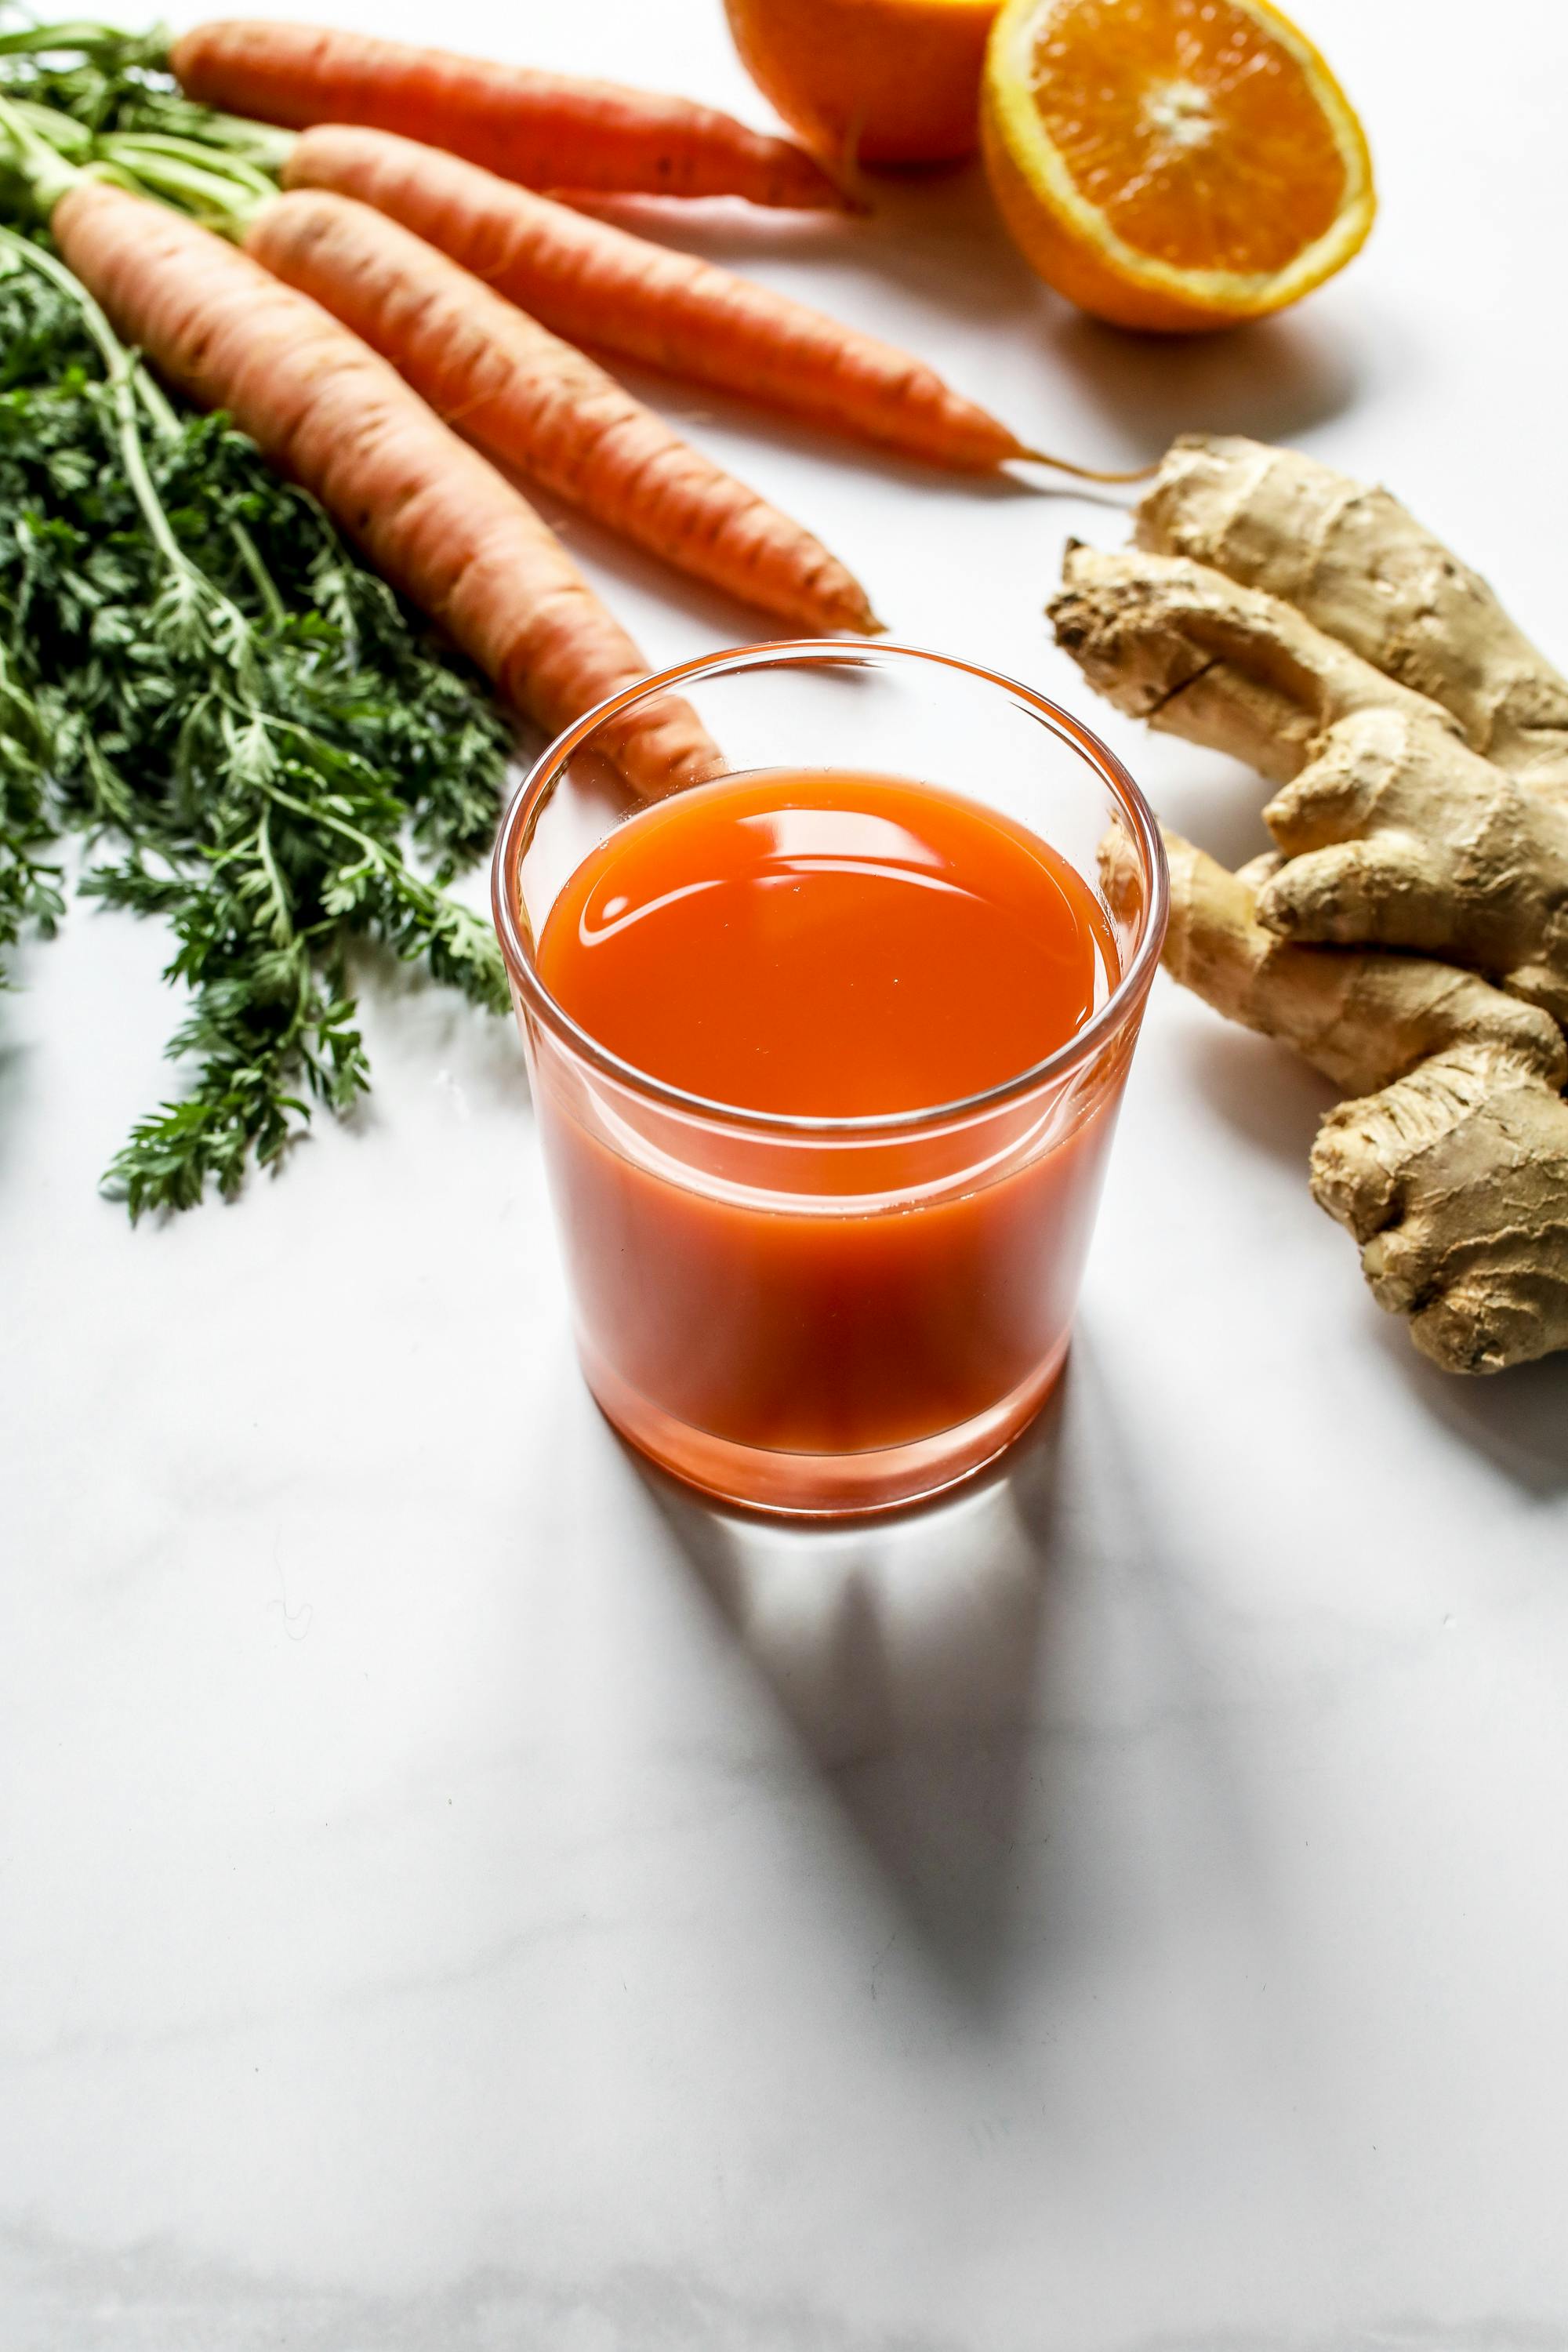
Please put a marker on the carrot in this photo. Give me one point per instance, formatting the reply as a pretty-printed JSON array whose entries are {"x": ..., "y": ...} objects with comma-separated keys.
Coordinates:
[
  {"x": 537, "y": 404},
  {"x": 547, "y": 129},
  {"x": 432, "y": 516},
  {"x": 597, "y": 284}
]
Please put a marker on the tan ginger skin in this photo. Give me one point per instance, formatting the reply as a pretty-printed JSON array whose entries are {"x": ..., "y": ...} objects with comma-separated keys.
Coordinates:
[
  {"x": 1395, "y": 835},
  {"x": 1354, "y": 563},
  {"x": 1451, "y": 1169},
  {"x": 1395, "y": 832}
]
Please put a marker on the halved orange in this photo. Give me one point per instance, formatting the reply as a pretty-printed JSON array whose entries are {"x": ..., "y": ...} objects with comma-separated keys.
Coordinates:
[
  {"x": 870, "y": 81},
  {"x": 1172, "y": 163}
]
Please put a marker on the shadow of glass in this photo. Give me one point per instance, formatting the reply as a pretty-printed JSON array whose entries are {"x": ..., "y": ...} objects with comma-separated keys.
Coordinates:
[
  {"x": 1015, "y": 1698},
  {"x": 906, "y": 1654},
  {"x": 1001, "y": 1692}
]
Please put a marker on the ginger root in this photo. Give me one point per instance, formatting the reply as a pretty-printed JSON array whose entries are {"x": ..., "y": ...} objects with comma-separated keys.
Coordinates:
[
  {"x": 1451, "y": 1169},
  {"x": 1354, "y": 563},
  {"x": 1395, "y": 834},
  {"x": 1408, "y": 864},
  {"x": 1366, "y": 1018}
]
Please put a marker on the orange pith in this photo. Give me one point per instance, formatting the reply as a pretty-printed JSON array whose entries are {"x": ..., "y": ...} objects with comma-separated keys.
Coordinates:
[{"x": 1172, "y": 162}]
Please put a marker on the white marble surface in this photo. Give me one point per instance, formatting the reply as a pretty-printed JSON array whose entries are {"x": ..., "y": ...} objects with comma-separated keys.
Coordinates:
[{"x": 459, "y": 1895}]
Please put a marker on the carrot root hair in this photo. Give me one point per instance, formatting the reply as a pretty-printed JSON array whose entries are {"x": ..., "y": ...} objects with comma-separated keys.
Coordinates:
[{"x": 1087, "y": 473}]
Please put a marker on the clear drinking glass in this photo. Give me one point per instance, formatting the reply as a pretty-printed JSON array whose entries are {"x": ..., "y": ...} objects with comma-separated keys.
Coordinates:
[{"x": 819, "y": 1316}]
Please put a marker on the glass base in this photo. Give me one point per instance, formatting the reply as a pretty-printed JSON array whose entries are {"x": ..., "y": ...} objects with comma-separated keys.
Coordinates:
[{"x": 818, "y": 1486}]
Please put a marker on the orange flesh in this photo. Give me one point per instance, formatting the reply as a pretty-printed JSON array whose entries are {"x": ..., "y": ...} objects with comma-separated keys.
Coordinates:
[
  {"x": 1194, "y": 130},
  {"x": 831, "y": 946}
]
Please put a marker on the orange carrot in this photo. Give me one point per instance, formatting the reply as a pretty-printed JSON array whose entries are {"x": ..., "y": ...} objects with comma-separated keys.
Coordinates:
[
  {"x": 600, "y": 285},
  {"x": 547, "y": 129},
  {"x": 536, "y": 404},
  {"x": 434, "y": 517}
]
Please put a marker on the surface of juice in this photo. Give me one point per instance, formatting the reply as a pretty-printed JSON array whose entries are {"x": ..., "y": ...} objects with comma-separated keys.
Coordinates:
[{"x": 829, "y": 946}]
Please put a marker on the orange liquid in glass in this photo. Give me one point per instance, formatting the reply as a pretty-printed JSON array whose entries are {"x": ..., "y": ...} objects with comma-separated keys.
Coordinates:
[
  {"x": 825, "y": 946},
  {"x": 829, "y": 946}
]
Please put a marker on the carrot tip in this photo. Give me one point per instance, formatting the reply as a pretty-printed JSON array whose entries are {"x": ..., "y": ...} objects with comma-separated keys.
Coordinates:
[{"x": 1084, "y": 473}]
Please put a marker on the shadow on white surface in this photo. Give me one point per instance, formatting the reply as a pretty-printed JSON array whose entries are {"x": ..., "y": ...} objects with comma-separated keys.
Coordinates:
[
  {"x": 1214, "y": 802},
  {"x": 906, "y": 1654},
  {"x": 935, "y": 234},
  {"x": 1264, "y": 1095},
  {"x": 1517, "y": 1419},
  {"x": 931, "y": 1664},
  {"x": 1272, "y": 380}
]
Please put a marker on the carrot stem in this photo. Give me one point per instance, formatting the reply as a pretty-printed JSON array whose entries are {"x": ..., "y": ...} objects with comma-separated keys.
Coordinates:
[
  {"x": 80, "y": 36},
  {"x": 121, "y": 369}
]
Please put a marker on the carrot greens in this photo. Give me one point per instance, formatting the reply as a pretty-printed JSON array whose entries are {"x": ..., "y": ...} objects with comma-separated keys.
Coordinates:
[{"x": 247, "y": 727}]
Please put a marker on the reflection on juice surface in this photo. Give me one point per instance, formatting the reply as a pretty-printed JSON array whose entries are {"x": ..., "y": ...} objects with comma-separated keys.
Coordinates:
[{"x": 823, "y": 946}]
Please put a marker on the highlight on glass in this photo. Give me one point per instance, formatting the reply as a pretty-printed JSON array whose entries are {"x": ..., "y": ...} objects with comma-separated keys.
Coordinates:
[{"x": 827, "y": 1051}]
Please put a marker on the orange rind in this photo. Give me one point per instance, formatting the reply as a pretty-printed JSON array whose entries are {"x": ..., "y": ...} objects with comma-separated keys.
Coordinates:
[
  {"x": 870, "y": 81},
  {"x": 1172, "y": 164}
]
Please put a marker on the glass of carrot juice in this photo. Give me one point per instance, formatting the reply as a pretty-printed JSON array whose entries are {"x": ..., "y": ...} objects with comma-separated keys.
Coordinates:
[{"x": 826, "y": 1049}]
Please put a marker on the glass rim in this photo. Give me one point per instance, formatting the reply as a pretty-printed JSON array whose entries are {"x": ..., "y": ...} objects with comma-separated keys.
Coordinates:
[{"x": 533, "y": 791}]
